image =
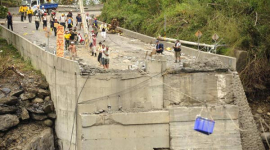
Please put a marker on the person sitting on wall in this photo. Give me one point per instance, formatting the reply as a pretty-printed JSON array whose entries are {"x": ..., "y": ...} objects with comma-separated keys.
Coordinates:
[{"x": 159, "y": 47}]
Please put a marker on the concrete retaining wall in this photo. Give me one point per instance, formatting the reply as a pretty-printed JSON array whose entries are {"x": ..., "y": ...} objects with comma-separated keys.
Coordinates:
[
  {"x": 230, "y": 61},
  {"x": 66, "y": 84},
  {"x": 210, "y": 87}
]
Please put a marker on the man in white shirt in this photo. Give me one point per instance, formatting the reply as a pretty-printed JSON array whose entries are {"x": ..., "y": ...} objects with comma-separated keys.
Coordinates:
[
  {"x": 106, "y": 58},
  {"x": 88, "y": 20},
  {"x": 62, "y": 21},
  {"x": 177, "y": 51}
]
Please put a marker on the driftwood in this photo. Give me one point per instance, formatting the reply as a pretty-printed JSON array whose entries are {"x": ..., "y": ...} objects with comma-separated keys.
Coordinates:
[{"x": 12, "y": 68}]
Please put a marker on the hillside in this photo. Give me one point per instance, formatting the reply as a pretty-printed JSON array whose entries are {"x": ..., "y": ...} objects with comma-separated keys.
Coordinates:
[{"x": 242, "y": 25}]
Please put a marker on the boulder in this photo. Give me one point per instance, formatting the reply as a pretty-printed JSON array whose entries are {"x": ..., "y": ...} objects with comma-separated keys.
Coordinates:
[
  {"x": 5, "y": 109},
  {"x": 52, "y": 115},
  {"x": 48, "y": 122},
  {"x": 11, "y": 100},
  {"x": 2, "y": 95},
  {"x": 43, "y": 92},
  {"x": 8, "y": 121},
  {"x": 5, "y": 90},
  {"x": 26, "y": 96},
  {"x": 44, "y": 85},
  {"x": 39, "y": 117},
  {"x": 48, "y": 107},
  {"x": 37, "y": 100},
  {"x": 32, "y": 90},
  {"x": 47, "y": 98},
  {"x": 24, "y": 114},
  {"x": 16, "y": 93},
  {"x": 36, "y": 110}
]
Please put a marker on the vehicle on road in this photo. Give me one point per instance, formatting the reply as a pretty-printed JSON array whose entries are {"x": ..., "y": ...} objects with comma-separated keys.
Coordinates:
[{"x": 49, "y": 5}]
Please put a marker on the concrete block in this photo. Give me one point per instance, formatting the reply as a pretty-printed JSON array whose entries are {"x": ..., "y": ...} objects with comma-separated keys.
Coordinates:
[
  {"x": 88, "y": 120},
  {"x": 182, "y": 114},
  {"x": 154, "y": 117}
]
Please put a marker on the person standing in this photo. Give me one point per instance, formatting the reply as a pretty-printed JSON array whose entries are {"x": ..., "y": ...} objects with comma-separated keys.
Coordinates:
[
  {"x": 21, "y": 10},
  {"x": 67, "y": 38},
  {"x": 100, "y": 53},
  {"x": 88, "y": 20},
  {"x": 70, "y": 22},
  {"x": 25, "y": 9},
  {"x": 43, "y": 11},
  {"x": 52, "y": 20},
  {"x": 55, "y": 28},
  {"x": 106, "y": 58},
  {"x": 30, "y": 14},
  {"x": 79, "y": 21},
  {"x": 94, "y": 49},
  {"x": 103, "y": 49},
  {"x": 177, "y": 51},
  {"x": 96, "y": 23},
  {"x": 9, "y": 21},
  {"x": 44, "y": 18},
  {"x": 159, "y": 47},
  {"x": 37, "y": 21},
  {"x": 103, "y": 28},
  {"x": 63, "y": 20},
  {"x": 72, "y": 51}
]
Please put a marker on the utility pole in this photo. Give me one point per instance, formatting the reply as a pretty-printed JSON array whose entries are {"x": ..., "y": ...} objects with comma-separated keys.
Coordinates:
[{"x": 85, "y": 29}]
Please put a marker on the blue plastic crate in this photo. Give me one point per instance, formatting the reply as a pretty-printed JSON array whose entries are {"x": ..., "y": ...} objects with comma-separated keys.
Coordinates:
[{"x": 204, "y": 125}]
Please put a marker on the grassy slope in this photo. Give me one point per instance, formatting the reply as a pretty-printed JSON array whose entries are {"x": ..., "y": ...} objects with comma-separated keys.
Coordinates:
[{"x": 233, "y": 20}]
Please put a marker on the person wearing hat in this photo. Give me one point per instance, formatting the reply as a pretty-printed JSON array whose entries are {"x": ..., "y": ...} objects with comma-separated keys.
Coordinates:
[
  {"x": 43, "y": 11},
  {"x": 37, "y": 20},
  {"x": 9, "y": 21},
  {"x": 30, "y": 14},
  {"x": 21, "y": 10},
  {"x": 79, "y": 21},
  {"x": 159, "y": 47},
  {"x": 177, "y": 50},
  {"x": 70, "y": 22},
  {"x": 72, "y": 51},
  {"x": 63, "y": 20},
  {"x": 67, "y": 38},
  {"x": 44, "y": 19},
  {"x": 106, "y": 58}
]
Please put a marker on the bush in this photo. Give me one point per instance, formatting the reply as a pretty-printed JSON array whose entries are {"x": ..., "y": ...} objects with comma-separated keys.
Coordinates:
[{"x": 3, "y": 11}]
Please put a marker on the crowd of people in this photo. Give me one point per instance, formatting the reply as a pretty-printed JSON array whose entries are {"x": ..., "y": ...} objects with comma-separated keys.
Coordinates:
[{"x": 72, "y": 37}]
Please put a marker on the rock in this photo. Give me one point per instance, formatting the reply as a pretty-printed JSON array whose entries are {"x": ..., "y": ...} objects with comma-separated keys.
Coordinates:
[
  {"x": 52, "y": 115},
  {"x": 39, "y": 117},
  {"x": 47, "y": 98},
  {"x": 26, "y": 96},
  {"x": 40, "y": 96},
  {"x": 101, "y": 111},
  {"x": 44, "y": 85},
  {"x": 48, "y": 122},
  {"x": 24, "y": 114},
  {"x": 17, "y": 93},
  {"x": 2, "y": 95},
  {"x": 37, "y": 110},
  {"x": 265, "y": 135},
  {"x": 9, "y": 100},
  {"x": 259, "y": 110},
  {"x": 5, "y": 90},
  {"x": 268, "y": 99},
  {"x": 228, "y": 100},
  {"x": 43, "y": 92},
  {"x": 37, "y": 100},
  {"x": 8, "y": 121},
  {"x": 268, "y": 113},
  {"x": 32, "y": 90},
  {"x": 5, "y": 109},
  {"x": 2, "y": 134},
  {"x": 48, "y": 107}
]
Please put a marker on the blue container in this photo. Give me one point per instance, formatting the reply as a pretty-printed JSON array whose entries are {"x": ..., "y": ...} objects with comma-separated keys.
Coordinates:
[{"x": 204, "y": 125}]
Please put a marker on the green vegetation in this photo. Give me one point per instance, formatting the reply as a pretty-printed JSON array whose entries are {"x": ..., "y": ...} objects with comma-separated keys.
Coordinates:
[
  {"x": 241, "y": 24},
  {"x": 9, "y": 56},
  {"x": 3, "y": 12}
]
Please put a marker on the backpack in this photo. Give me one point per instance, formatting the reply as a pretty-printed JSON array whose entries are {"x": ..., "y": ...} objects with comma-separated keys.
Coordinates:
[{"x": 69, "y": 21}]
